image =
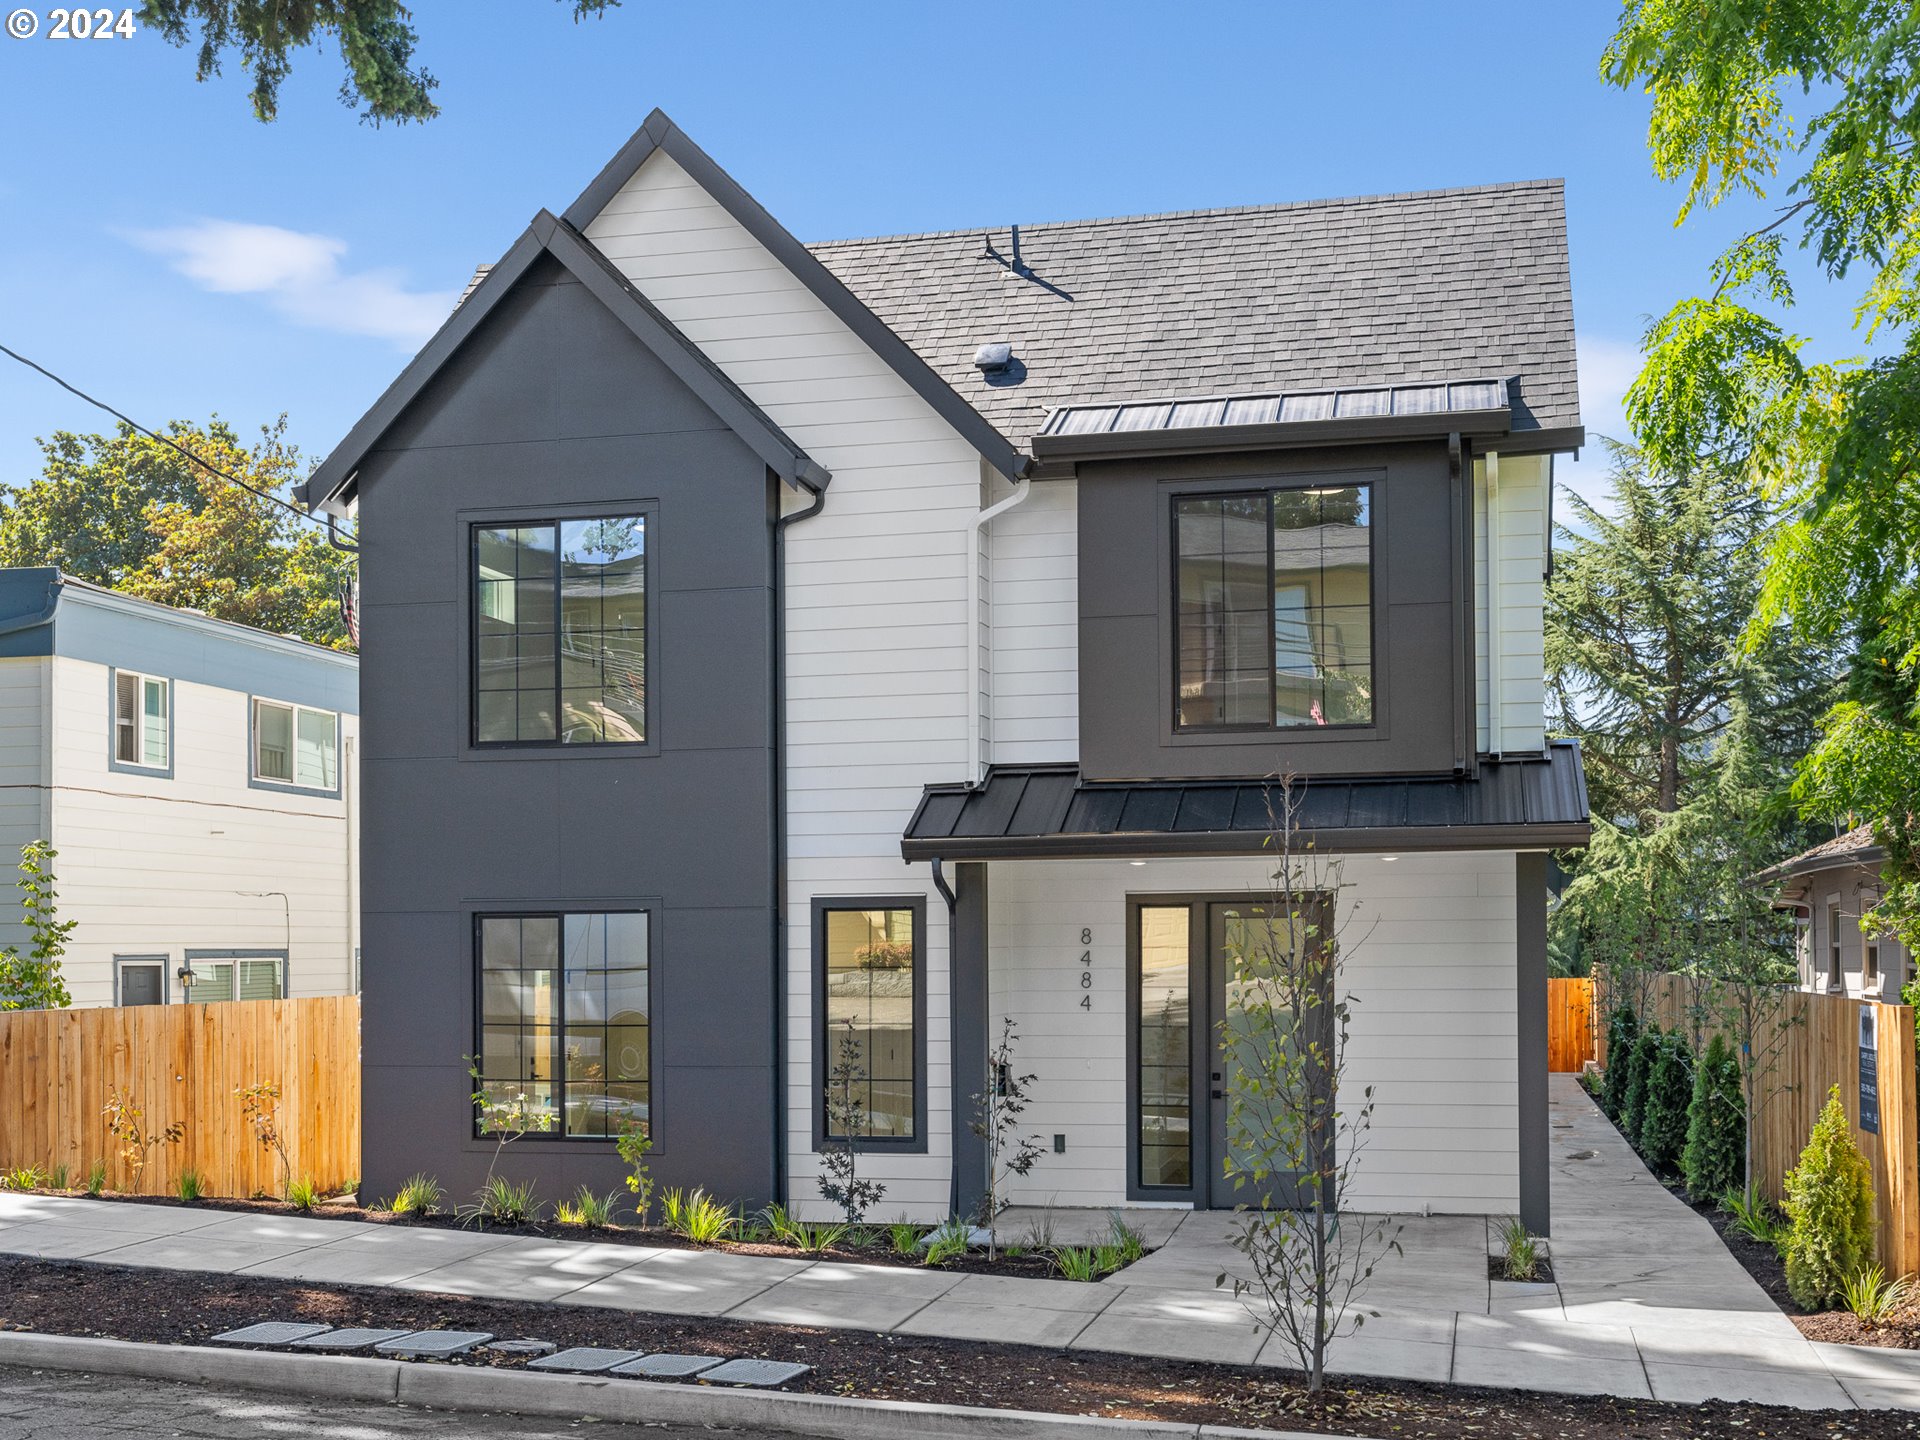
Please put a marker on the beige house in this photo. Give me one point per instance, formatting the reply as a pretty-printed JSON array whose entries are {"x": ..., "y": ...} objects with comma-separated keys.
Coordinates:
[{"x": 1828, "y": 889}]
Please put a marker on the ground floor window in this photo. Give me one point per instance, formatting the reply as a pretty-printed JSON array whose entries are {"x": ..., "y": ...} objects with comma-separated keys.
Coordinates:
[
  {"x": 1164, "y": 1064},
  {"x": 565, "y": 1020},
  {"x": 231, "y": 975},
  {"x": 870, "y": 1039},
  {"x": 140, "y": 979}
]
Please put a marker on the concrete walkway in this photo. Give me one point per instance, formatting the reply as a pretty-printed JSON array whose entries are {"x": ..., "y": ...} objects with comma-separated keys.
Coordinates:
[{"x": 1648, "y": 1303}]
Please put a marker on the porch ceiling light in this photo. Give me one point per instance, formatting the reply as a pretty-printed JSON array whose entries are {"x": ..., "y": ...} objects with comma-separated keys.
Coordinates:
[
  {"x": 1389, "y": 859},
  {"x": 1136, "y": 862}
]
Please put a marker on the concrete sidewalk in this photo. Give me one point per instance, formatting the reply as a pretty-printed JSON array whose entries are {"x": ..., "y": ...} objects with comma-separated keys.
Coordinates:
[{"x": 1648, "y": 1303}]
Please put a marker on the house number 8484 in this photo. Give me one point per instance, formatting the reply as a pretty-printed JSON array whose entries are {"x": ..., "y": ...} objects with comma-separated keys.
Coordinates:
[{"x": 1086, "y": 968}]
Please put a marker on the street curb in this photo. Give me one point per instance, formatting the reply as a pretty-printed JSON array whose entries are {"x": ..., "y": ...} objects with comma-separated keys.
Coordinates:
[{"x": 588, "y": 1397}]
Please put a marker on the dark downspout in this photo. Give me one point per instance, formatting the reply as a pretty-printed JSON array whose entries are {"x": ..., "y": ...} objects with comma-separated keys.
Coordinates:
[
  {"x": 779, "y": 661},
  {"x": 941, "y": 884}
]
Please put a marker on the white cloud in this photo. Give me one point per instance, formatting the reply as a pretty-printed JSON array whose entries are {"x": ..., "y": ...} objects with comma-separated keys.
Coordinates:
[
  {"x": 302, "y": 277},
  {"x": 1607, "y": 368}
]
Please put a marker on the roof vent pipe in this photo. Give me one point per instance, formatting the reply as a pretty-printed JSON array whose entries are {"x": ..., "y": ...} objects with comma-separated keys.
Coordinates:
[{"x": 995, "y": 358}]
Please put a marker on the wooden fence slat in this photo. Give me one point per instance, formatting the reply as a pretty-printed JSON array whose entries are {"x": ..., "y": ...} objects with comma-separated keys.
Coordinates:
[
  {"x": 182, "y": 1063},
  {"x": 1569, "y": 1023},
  {"x": 1821, "y": 1049}
]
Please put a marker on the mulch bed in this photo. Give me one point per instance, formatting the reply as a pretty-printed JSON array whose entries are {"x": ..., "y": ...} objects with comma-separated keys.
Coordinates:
[
  {"x": 78, "y": 1298},
  {"x": 1838, "y": 1327},
  {"x": 1026, "y": 1266}
]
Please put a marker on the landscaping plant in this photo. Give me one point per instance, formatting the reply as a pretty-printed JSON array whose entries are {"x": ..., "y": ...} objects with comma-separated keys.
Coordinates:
[
  {"x": 634, "y": 1144},
  {"x": 1663, "y": 1121},
  {"x": 1714, "y": 1160},
  {"x": 1128, "y": 1241},
  {"x": 419, "y": 1194},
  {"x": 303, "y": 1194},
  {"x": 1633, "y": 1108},
  {"x": 187, "y": 1185},
  {"x": 29, "y": 1177},
  {"x": 697, "y": 1216},
  {"x": 96, "y": 1177},
  {"x": 1623, "y": 1029},
  {"x": 127, "y": 1123},
  {"x": 903, "y": 1239},
  {"x": 1873, "y": 1298},
  {"x": 996, "y": 1119},
  {"x": 507, "y": 1202},
  {"x": 1521, "y": 1260},
  {"x": 32, "y": 981},
  {"x": 585, "y": 1209},
  {"x": 508, "y": 1113},
  {"x": 261, "y": 1106},
  {"x": 948, "y": 1242},
  {"x": 1830, "y": 1211},
  {"x": 58, "y": 1175},
  {"x": 780, "y": 1225},
  {"x": 840, "y": 1181},
  {"x": 1294, "y": 1131},
  {"x": 1752, "y": 1215}
]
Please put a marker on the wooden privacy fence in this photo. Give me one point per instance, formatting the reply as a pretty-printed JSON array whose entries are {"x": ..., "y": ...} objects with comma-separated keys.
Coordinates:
[
  {"x": 182, "y": 1063},
  {"x": 1569, "y": 1023},
  {"x": 1820, "y": 1048}
]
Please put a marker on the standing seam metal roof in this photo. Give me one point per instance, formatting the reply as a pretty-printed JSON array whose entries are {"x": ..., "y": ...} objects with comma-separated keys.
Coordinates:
[{"x": 1315, "y": 295}]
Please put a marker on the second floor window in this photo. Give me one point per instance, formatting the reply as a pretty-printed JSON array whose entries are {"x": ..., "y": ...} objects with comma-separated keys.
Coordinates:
[
  {"x": 560, "y": 632},
  {"x": 140, "y": 724},
  {"x": 1274, "y": 609},
  {"x": 296, "y": 746}
]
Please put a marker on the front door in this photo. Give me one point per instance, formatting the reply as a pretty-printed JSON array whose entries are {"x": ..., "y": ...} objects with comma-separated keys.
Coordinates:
[{"x": 1256, "y": 957}]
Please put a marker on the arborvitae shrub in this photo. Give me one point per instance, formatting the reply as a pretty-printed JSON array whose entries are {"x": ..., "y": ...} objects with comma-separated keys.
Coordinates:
[
  {"x": 1663, "y": 1117},
  {"x": 1715, "y": 1159},
  {"x": 1623, "y": 1028},
  {"x": 1633, "y": 1107},
  {"x": 1830, "y": 1210}
]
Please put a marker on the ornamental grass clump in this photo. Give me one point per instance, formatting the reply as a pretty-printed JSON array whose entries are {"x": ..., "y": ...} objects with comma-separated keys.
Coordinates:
[
  {"x": 1830, "y": 1212},
  {"x": 1713, "y": 1161},
  {"x": 1633, "y": 1107},
  {"x": 1623, "y": 1029},
  {"x": 1663, "y": 1118}
]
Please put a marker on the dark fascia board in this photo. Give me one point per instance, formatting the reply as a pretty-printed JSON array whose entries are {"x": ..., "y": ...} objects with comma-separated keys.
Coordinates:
[
  {"x": 1156, "y": 845},
  {"x": 658, "y": 132},
  {"x": 331, "y": 483},
  {"x": 1280, "y": 435}
]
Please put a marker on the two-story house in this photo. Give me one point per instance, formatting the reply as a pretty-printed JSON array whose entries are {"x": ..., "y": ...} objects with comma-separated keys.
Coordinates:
[
  {"x": 768, "y": 643},
  {"x": 197, "y": 781}
]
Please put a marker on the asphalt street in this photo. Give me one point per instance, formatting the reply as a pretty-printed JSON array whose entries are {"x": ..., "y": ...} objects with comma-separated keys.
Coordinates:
[{"x": 68, "y": 1405}]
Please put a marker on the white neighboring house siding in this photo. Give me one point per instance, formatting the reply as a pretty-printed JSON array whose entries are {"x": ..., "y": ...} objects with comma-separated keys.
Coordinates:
[
  {"x": 1517, "y": 725},
  {"x": 25, "y": 695},
  {"x": 878, "y": 649},
  {"x": 150, "y": 865},
  {"x": 1430, "y": 958}
]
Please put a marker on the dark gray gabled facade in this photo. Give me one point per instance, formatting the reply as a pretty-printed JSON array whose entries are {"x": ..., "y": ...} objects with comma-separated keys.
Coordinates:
[{"x": 550, "y": 405}]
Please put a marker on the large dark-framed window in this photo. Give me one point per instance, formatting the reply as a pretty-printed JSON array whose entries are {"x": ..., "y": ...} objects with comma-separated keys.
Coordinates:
[
  {"x": 1273, "y": 608},
  {"x": 563, "y": 1014},
  {"x": 870, "y": 989},
  {"x": 560, "y": 617}
]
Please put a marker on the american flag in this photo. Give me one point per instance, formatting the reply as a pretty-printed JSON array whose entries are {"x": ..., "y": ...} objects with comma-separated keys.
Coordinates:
[{"x": 350, "y": 609}]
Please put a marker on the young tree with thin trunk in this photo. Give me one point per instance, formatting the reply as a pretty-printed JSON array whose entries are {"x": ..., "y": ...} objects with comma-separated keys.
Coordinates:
[{"x": 1294, "y": 1128}]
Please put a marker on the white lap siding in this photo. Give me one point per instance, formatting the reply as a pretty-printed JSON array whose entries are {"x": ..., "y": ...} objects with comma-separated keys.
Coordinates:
[
  {"x": 1036, "y": 628},
  {"x": 1430, "y": 962},
  {"x": 1513, "y": 640},
  {"x": 881, "y": 666}
]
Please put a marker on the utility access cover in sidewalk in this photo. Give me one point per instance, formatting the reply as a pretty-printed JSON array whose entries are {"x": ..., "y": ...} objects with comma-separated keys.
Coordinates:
[
  {"x": 584, "y": 1360},
  {"x": 434, "y": 1344},
  {"x": 668, "y": 1367},
  {"x": 273, "y": 1332},
  {"x": 755, "y": 1372},
  {"x": 352, "y": 1338}
]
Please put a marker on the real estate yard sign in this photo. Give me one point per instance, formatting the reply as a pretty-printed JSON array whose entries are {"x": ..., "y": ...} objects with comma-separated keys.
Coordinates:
[{"x": 1869, "y": 1072}]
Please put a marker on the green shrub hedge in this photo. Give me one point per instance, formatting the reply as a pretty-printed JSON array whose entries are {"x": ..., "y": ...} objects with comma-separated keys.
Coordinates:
[
  {"x": 1669, "y": 1094},
  {"x": 1715, "y": 1160},
  {"x": 1633, "y": 1109},
  {"x": 1623, "y": 1028},
  {"x": 1830, "y": 1212}
]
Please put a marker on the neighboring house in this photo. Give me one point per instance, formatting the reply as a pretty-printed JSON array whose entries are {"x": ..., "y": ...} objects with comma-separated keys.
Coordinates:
[
  {"x": 766, "y": 643},
  {"x": 197, "y": 779},
  {"x": 1828, "y": 889}
]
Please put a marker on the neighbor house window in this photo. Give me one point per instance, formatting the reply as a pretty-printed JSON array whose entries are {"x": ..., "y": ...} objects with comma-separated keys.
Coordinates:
[
  {"x": 237, "y": 977},
  {"x": 1870, "y": 966},
  {"x": 140, "y": 979},
  {"x": 1274, "y": 609},
  {"x": 141, "y": 726},
  {"x": 872, "y": 1019},
  {"x": 1836, "y": 977},
  {"x": 560, "y": 621},
  {"x": 297, "y": 746},
  {"x": 565, "y": 1021}
]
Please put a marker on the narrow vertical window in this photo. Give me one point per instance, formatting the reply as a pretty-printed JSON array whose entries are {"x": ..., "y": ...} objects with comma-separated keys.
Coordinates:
[
  {"x": 1165, "y": 1041},
  {"x": 559, "y": 646},
  {"x": 1836, "y": 976},
  {"x": 1274, "y": 609},
  {"x": 142, "y": 734},
  {"x": 872, "y": 1013}
]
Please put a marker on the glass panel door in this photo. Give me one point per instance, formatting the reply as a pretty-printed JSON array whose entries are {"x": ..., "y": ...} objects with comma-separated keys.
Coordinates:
[{"x": 1259, "y": 959}]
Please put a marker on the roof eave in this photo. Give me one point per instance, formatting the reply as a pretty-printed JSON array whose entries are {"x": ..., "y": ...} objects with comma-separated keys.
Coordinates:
[
  {"x": 1274, "y": 435},
  {"x": 658, "y": 132},
  {"x": 1222, "y": 843}
]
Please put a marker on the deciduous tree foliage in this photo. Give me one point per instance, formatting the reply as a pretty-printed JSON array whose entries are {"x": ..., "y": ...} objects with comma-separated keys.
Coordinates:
[
  {"x": 133, "y": 515},
  {"x": 375, "y": 38},
  {"x": 1834, "y": 441}
]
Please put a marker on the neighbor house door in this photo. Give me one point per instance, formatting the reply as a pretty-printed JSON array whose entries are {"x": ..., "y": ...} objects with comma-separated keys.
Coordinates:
[{"x": 1246, "y": 945}]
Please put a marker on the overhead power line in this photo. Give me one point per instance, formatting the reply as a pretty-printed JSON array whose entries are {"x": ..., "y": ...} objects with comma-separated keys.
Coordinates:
[{"x": 215, "y": 470}]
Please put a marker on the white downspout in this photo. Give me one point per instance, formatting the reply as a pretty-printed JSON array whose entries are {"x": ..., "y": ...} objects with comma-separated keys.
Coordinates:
[
  {"x": 1496, "y": 716},
  {"x": 977, "y": 692}
]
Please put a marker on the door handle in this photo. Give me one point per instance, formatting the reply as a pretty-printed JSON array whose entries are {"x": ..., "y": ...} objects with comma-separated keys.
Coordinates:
[{"x": 1216, "y": 1095}]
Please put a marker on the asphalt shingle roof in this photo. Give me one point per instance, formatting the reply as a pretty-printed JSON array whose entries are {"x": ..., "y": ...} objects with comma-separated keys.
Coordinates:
[{"x": 1320, "y": 294}]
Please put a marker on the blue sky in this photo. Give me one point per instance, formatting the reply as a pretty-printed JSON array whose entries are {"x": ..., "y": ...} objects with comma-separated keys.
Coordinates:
[{"x": 167, "y": 252}]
